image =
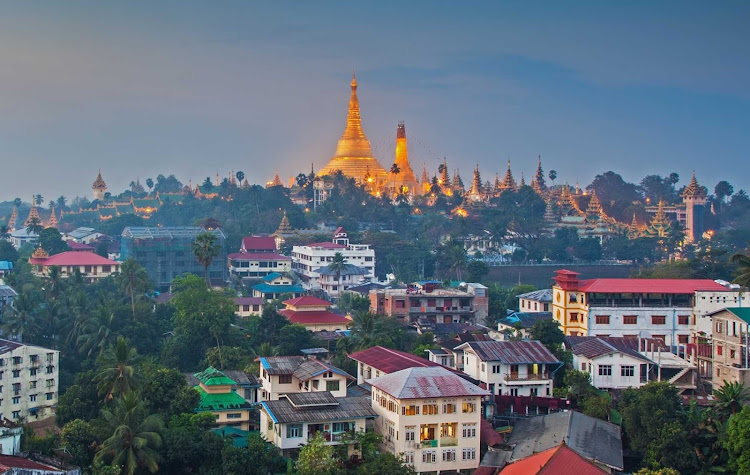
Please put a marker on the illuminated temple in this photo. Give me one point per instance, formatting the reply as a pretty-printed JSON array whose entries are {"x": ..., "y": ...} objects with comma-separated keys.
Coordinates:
[{"x": 353, "y": 153}]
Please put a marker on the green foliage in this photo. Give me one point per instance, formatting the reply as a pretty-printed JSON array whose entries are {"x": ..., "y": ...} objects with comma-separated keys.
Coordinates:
[
  {"x": 80, "y": 401},
  {"x": 8, "y": 252},
  {"x": 294, "y": 338},
  {"x": 737, "y": 441},
  {"x": 232, "y": 357},
  {"x": 385, "y": 462},
  {"x": 316, "y": 458},
  {"x": 189, "y": 444},
  {"x": 79, "y": 441},
  {"x": 597, "y": 406},
  {"x": 116, "y": 370},
  {"x": 205, "y": 249},
  {"x": 51, "y": 241},
  {"x": 259, "y": 458},
  {"x": 549, "y": 334},
  {"x": 351, "y": 302},
  {"x": 477, "y": 271},
  {"x": 30, "y": 442},
  {"x": 166, "y": 391}
]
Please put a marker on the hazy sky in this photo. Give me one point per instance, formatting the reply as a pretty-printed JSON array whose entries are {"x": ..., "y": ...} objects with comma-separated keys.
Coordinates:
[{"x": 139, "y": 88}]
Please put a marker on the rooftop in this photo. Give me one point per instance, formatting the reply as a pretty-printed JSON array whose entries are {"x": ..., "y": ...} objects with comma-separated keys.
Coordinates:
[
  {"x": 278, "y": 289},
  {"x": 649, "y": 286},
  {"x": 284, "y": 411},
  {"x": 349, "y": 269},
  {"x": 220, "y": 401},
  {"x": 302, "y": 368},
  {"x": 257, "y": 256},
  {"x": 425, "y": 383},
  {"x": 213, "y": 377},
  {"x": 76, "y": 258},
  {"x": 307, "y": 301},
  {"x": 593, "y": 347},
  {"x": 511, "y": 352},
  {"x": 388, "y": 360},
  {"x": 525, "y": 319},
  {"x": 259, "y": 243},
  {"x": 167, "y": 232},
  {"x": 543, "y": 295},
  {"x": 742, "y": 313},
  {"x": 560, "y": 460},
  {"x": 314, "y": 317}
]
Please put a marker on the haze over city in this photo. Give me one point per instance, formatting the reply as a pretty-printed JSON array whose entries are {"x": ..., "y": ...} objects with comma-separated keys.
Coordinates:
[{"x": 141, "y": 88}]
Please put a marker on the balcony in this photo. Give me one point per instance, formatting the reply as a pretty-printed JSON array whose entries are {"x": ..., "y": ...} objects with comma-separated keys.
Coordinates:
[
  {"x": 448, "y": 441},
  {"x": 530, "y": 378},
  {"x": 429, "y": 443}
]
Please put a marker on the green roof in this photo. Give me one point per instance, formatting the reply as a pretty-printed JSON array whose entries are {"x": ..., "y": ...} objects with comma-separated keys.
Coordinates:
[
  {"x": 216, "y": 402},
  {"x": 741, "y": 312},
  {"x": 238, "y": 436},
  {"x": 213, "y": 377}
]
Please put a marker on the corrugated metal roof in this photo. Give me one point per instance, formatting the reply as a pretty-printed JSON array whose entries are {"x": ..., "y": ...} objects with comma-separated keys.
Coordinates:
[
  {"x": 299, "y": 366},
  {"x": 320, "y": 398},
  {"x": 426, "y": 383},
  {"x": 511, "y": 352},
  {"x": 388, "y": 360},
  {"x": 649, "y": 286},
  {"x": 543, "y": 295},
  {"x": 282, "y": 411},
  {"x": 7, "y": 291}
]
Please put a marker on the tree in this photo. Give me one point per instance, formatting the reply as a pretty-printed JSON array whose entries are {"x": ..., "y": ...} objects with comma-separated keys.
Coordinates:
[
  {"x": 133, "y": 279},
  {"x": 191, "y": 446},
  {"x": 20, "y": 318},
  {"x": 51, "y": 241},
  {"x": 79, "y": 441},
  {"x": 645, "y": 412},
  {"x": 8, "y": 252},
  {"x": 338, "y": 265},
  {"x": 723, "y": 190},
  {"x": 166, "y": 391},
  {"x": 316, "y": 458},
  {"x": 552, "y": 176},
  {"x": 4, "y": 232},
  {"x": 478, "y": 270},
  {"x": 395, "y": 169},
  {"x": 257, "y": 459},
  {"x": 578, "y": 383},
  {"x": 385, "y": 462},
  {"x": 38, "y": 199},
  {"x": 729, "y": 399},
  {"x": 293, "y": 339},
  {"x": 116, "y": 370},
  {"x": 149, "y": 184},
  {"x": 34, "y": 226},
  {"x": 548, "y": 333},
  {"x": 80, "y": 401},
  {"x": 742, "y": 261},
  {"x": 135, "y": 435},
  {"x": 205, "y": 249},
  {"x": 737, "y": 441},
  {"x": 240, "y": 176},
  {"x": 597, "y": 406}
]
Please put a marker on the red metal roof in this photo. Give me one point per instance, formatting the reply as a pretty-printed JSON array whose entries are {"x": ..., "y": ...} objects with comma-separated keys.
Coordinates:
[
  {"x": 488, "y": 434},
  {"x": 253, "y": 256},
  {"x": 388, "y": 360},
  {"x": 307, "y": 301},
  {"x": 74, "y": 258},
  {"x": 314, "y": 317},
  {"x": 77, "y": 246},
  {"x": 8, "y": 462},
  {"x": 259, "y": 243},
  {"x": 560, "y": 460},
  {"x": 426, "y": 383},
  {"x": 649, "y": 286}
]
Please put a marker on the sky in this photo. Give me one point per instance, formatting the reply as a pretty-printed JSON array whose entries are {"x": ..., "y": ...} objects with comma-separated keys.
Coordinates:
[{"x": 141, "y": 88}]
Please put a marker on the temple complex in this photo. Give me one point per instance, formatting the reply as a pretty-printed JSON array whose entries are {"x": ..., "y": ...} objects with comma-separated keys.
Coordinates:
[{"x": 354, "y": 157}]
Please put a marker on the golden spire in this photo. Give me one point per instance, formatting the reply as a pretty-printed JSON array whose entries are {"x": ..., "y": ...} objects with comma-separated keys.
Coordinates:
[
  {"x": 693, "y": 190},
  {"x": 284, "y": 226},
  {"x": 33, "y": 213},
  {"x": 13, "y": 219},
  {"x": 508, "y": 183},
  {"x": 99, "y": 182},
  {"x": 523, "y": 182},
  {"x": 538, "y": 182},
  {"x": 444, "y": 173},
  {"x": 476, "y": 183},
  {"x": 404, "y": 179},
  {"x": 52, "y": 223},
  {"x": 39, "y": 253},
  {"x": 277, "y": 179},
  {"x": 660, "y": 217}
]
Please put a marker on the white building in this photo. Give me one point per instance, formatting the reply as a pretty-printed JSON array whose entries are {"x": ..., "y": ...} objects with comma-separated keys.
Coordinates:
[
  {"x": 19, "y": 237},
  {"x": 10, "y": 437},
  {"x": 536, "y": 301},
  {"x": 83, "y": 235},
  {"x": 281, "y": 375},
  {"x": 431, "y": 417},
  {"x": 708, "y": 302},
  {"x": 333, "y": 283},
  {"x": 28, "y": 381},
  {"x": 610, "y": 367},
  {"x": 308, "y": 260},
  {"x": 515, "y": 368}
]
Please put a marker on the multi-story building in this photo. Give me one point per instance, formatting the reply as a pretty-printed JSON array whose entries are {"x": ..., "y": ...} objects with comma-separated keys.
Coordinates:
[
  {"x": 29, "y": 381},
  {"x": 431, "y": 417},
  {"x": 7, "y": 296},
  {"x": 334, "y": 282},
  {"x": 378, "y": 361},
  {"x": 91, "y": 266},
  {"x": 314, "y": 314},
  {"x": 217, "y": 397},
  {"x": 307, "y": 261},
  {"x": 427, "y": 301},
  {"x": 515, "y": 368},
  {"x": 294, "y": 419},
  {"x": 167, "y": 252},
  {"x": 536, "y": 301},
  {"x": 708, "y": 302},
  {"x": 731, "y": 342},
  {"x": 280, "y": 375},
  {"x": 650, "y": 308},
  {"x": 257, "y": 258}
]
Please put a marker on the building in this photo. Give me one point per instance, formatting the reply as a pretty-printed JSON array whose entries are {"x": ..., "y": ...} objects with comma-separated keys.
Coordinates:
[
  {"x": 246, "y": 307},
  {"x": 515, "y": 368},
  {"x": 354, "y": 157},
  {"x": 82, "y": 235},
  {"x": 520, "y": 323},
  {"x": 245, "y": 384},
  {"x": 560, "y": 459},
  {"x": 431, "y": 416},
  {"x": 167, "y": 252},
  {"x": 280, "y": 375},
  {"x": 427, "y": 301},
  {"x": 257, "y": 258},
  {"x": 649, "y": 308},
  {"x": 378, "y": 361},
  {"x": 7, "y": 296},
  {"x": 30, "y": 384},
  {"x": 694, "y": 199},
  {"x": 308, "y": 261},
  {"x": 296, "y": 418},
  {"x": 6, "y": 267},
  {"x": 99, "y": 187},
  {"x": 35, "y": 464},
  {"x": 610, "y": 366},
  {"x": 19, "y": 237},
  {"x": 275, "y": 286},
  {"x": 536, "y": 301},
  {"x": 217, "y": 397},
  {"x": 731, "y": 341},
  {"x": 91, "y": 266},
  {"x": 314, "y": 314},
  {"x": 10, "y": 437},
  {"x": 334, "y": 282}
]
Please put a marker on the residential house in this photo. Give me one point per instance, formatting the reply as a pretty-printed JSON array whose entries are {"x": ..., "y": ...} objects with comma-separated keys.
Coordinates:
[
  {"x": 430, "y": 416},
  {"x": 378, "y": 361},
  {"x": 6, "y": 267},
  {"x": 245, "y": 384},
  {"x": 516, "y": 368},
  {"x": 245, "y": 307},
  {"x": 611, "y": 366},
  {"x": 425, "y": 301},
  {"x": 518, "y": 324},
  {"x": 731, "y": 341},
  {"x": 296, "y": 418},
  {"x": 91, "y": 266},
  {"x": 536, "y": 301},
  {"x": 257, "y": 258},
  {"x": 275, "y": 285},
  {"x": 280, "y": 375},
  {"x": 217, "y": 396},
  {"x": 10, "y": 437},
  {"x": 334, "y": 282},
  {"x": 21, "y": 236},
  {"x": 553, "y": 461},
  {"x": 82, "y": 235},
  {"x": 7, "y": 296},
  {"x": 29, "y": 381},
  {"x": 314, "y": 314}
]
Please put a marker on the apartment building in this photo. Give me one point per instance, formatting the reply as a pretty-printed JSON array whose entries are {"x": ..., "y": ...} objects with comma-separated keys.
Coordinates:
[
  {"x": 731, "y": 341},
  {"x": 281, "y": 375},
  {"x": 514, "y": 368},
  {"x": 307, "y": 261},
  {"x": 427, "y": 301},
  {"x": 257, "y": 258},
  {"x": 610, "y": 366},
  {"x": 431, "y": 417},
  {"x": 29, "y": 381}
]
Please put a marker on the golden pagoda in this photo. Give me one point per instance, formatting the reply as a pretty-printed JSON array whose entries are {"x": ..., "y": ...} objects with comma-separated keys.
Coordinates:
[
  {"x": 523, "y": 181},
  {"x": 13, "y": 219},
  {"x": 99, "y": 187},
  {"x": 404, "y": 179},
  {"x": 353, "y": 153},
  {"x": 284, "y": 226},
  {"x": 52, "y": 222},
  {"x": 538, "y": 182},
  {"x": 508, "y": 182},
  {"x": 475, "y": 193},
  {"x": 33, "y": 213},
  {"x": 660, "y": 225}
]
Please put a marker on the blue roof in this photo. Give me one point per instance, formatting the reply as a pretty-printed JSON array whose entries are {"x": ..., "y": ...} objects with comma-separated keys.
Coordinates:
[
  {"x": 278, "y": 289},
  {"x": 271, "y": 276},
  {"x": 6, "y": 265}
]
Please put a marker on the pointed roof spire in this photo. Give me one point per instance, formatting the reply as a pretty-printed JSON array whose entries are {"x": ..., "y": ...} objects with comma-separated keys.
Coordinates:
[
  {"x": 694, "y": 190},
  {"x": 99, "y": 182},
  {"x": 52, "y": 222},
  {"x": 508, "y": 182},
  {"x": 444, "y": 173},
  {"x": 13, "y": 219},
  {"x": 284, "y": 226},
  {"x": 523, "y": 182},
  {"x": 538, "y": 183},
  {"x": 33, "y": 213}
]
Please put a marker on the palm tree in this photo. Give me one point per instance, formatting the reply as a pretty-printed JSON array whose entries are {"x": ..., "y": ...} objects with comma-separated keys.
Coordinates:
[
  {"x": 20, "y": 319},
  {"x": 95, "y": 333},
  {"x": 338, "y": 265},
  {"x": 117, "y": 373},
  {"x": 363, "y": 329},
  {"x": 730, "y": 398},
  {"x": 54, "y": 282},
  {"x": 205, "y": 249},
  {"x": 552, "y": 176},
  {"x": 455, "y": 257},
  {"x": 266, "y": 349},
  {"x": 4, "y": 232},
  {"x": 34, "y": 226},
  {"x": 50, "y": 318},
  {"x": 742, "y": 261},
  {"x": 135, "y": 435},
  {"x": 240, "y": 176},
  {"x": 132, "y": 279},
  {"x": 395, "y": 169}
]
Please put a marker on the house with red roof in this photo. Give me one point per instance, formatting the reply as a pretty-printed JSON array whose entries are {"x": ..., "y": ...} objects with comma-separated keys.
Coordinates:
[
  {"x": 378, "y": 361},
  {"x": 430, "y": 416},
  {"x": 257, "y": 258},
  {"x": 560, "y": 460},
  {"x": 650, "y": 308},
  {"x": 314, "y": 314},
  {"x": 91, "y": 266}
]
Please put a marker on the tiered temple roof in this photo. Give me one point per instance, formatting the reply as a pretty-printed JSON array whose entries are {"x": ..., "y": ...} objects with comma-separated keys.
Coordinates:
[
  {"x": 694, "y": 190},
  {"x": 508, "y": 182},
  {"x": 52, "y": 222},
  {"x": 33, "y": 213},
  {"x": 538, "y": 182}
]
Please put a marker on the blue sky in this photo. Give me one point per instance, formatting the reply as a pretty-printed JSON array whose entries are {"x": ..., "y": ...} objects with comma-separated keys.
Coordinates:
[{"x": 140, "y": 88}]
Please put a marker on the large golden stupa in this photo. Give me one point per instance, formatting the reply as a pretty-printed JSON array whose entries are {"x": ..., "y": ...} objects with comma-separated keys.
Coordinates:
[{"x": 353, "y": 153}]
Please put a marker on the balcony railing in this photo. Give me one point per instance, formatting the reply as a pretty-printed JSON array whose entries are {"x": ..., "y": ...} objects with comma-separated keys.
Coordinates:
[
  {"x": 429, "y": 443},
  {"x": 526, "y": 377},
  {"x": 448, "y": 441}
]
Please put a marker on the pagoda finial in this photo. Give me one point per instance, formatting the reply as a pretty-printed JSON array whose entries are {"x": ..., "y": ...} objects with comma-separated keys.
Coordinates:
[{"x": 523, "y": 182}]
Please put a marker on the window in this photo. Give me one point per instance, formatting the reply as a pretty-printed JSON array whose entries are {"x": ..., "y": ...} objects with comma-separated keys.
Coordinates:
[
  {"x": 583, "y": 366},
  {"x": 630, "y": 319},
  {"x": 332, "y": 385},
  {"x": 483, "y": 368},
  {"x": 495, "y": 369},
  {"x": 602, "y": 319},
  {"x": 683, "y": 319},
  {"x": 409, "y": 458},
  {"x": 50, "y": 396},
  {"x": 514, "y": 392},
  {"x": 430, "y": 409},
  {"x": 449, "y": 455},
  {"x": 682, "y": 338},
  {"x": 410, "y": 432},
  {"x": 732, "y": 354},
  {"x": 658, "y": 319},
  {"x": 17, "y": 360},
  {"x": 409, "y": 410},
  {"x": 469, "y": 454},
  {"x": 32, "y": 397},
  {"x": 468, "y": 430},
  {"x": 627, "y": 371},
  {"x": 34, "y": 358},
  {"x": 50, "y": 383},
  {"x": 293, "y": 431},
  {"x": 468, "y": 407},
  {"x": 32, "y": 372},
  {"x": 605, "y": 370},
  {"x": 719, "y": 350},
  {"x": 574, "y": 316},
  {"x": 234, "y": 415},
  {"x": 16, "y": 414},
  {"x": 429, "y": 456},
  {"x": 449, "y": 408},
  {"x": 16, "y": 373},
  {"x": 16, "y": 400},
  {"x": 719, "y": 327},
  {"x": 285, "y": 379}
]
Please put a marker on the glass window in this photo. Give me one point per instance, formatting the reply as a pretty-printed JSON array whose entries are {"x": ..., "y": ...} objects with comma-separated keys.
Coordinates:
[
  {"x": 630, "y": 319},
  {"x": 627, "y": 371},
  {"x": 332, "y": 385},
  {"x": 602, "y": 319},
  {"x": 605, "y": 370}
]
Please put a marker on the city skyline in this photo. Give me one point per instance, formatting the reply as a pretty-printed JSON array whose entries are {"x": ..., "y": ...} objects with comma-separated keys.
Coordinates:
[{"x": 141, "y": 89}]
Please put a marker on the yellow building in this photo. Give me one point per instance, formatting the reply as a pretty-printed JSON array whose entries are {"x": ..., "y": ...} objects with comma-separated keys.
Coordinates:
[
  {"x": 353, "y": 154},
  {"x": 569, "y": 307},
  {"x": 215, "y": 390}
]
